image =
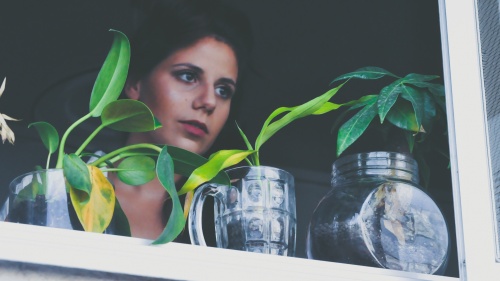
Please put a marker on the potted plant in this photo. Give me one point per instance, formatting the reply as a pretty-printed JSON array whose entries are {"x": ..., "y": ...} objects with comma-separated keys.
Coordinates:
[
  {"x": 84, "y": 198},
  {"x": 376, "y": 213},
  {"x": 256, "y": 211},
  {"x": 411, "y": 111},
  {"x": 79, "y": 192}
]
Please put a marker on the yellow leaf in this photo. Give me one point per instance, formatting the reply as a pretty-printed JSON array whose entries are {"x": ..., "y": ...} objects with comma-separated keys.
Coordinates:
[
  {"x": 187, "y": 203},
  {"x": 95, "y": 213},
  {"x": 217, "y": 162}
]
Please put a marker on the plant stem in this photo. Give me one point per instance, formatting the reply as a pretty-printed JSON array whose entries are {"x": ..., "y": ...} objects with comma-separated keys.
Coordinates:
[
  {"x": 125, "y": 154},
  {"x": 48, "y": 162},
  {"x": 111, "y": 170},
  {"x": 123, "y": 149},
  {"x": 249, "y": 162},
  {"x": 65, "y": 136},
  {"x": 89, "y": 139}
]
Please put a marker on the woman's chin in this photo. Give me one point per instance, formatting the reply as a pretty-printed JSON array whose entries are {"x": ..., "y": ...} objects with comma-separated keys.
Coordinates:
[{"x": 193, "y": 146}]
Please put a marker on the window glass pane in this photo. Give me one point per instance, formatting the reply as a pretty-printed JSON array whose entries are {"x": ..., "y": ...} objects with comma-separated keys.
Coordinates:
[{"x": 299, "y": 49}]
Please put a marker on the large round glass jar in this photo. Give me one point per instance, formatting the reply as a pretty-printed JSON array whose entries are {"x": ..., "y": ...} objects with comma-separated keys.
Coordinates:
[{"x": 376, "y": 214}]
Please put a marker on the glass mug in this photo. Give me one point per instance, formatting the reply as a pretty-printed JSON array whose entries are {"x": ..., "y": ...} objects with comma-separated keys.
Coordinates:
[{"x": 256, "y": 213}]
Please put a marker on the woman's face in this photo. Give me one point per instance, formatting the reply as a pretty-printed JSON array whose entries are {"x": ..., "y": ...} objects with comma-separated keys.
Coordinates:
[{"x": 190, "y": 93}]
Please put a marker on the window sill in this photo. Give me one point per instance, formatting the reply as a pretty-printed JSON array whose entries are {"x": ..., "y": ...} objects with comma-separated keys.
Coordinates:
[{"x": 131, "y": 256}]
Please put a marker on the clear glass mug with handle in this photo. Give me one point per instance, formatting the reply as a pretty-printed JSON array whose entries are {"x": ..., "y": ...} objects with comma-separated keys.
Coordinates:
[{"x": 255, "y": 213}]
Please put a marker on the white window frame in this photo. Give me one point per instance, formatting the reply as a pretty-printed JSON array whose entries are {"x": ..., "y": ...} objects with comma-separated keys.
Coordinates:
[
  {"x": 473, "y": 199},
  {"x": 471, "y": 191}
]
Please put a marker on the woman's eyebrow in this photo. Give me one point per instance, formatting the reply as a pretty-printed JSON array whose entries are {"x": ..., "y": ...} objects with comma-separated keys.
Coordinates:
[
  {"x": 227, "y": 81},
  {"x": 200, "y": 70},
  {"x": 191, "y": 66}
]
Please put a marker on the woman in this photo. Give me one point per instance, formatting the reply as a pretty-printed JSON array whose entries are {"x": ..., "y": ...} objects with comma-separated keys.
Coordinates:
[{"x": 187, "y": 62}]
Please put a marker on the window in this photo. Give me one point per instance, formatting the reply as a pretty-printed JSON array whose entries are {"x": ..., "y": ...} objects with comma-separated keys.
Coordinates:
[{"x": 298, "y": 22}]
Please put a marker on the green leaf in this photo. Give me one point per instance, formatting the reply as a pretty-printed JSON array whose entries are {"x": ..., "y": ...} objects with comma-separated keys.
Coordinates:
[
  {"x": 245, "y": 139},
  {"x": 436, "y": 89},
  {"x": 273, "y": 114},
  {"x": 137, "y": 170},
  {"x": 327, "y": 107},
  {"x": 185, "y": 162},
  {"x": 417, "y": 98},
  {"x": 128, "y": 116},
  {"x": 48, "y": 134},
  {"x": 253, "y": 161},
  {"x": 121, "y": 224},
  {"x": 387, "y": 98},
  {"x": 361, "y": 102},
  {"x": 413, "y": 77},
  {"x": 351, "y": 130},
  {"x": 112, "y": 76},
  {"x": 369, "y": 72},
  {"x": 438, "y": 95},
  {"x": 29, "y": 192},
  {"x": 295, "y": 113},
  {"x": 410, "y": 139},
  {"x": 176, "y": 221},
  {"x": 218, "y": 161},
  {"x": 76, "y": 173},
  {"x": 403, "y": 116},
  {"x": 429, "y": 112},
  {"x": 424, "y": 170}
]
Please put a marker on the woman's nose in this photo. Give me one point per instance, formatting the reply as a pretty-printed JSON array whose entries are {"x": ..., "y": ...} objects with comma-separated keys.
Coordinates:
[{"x": 205, "y": 99}]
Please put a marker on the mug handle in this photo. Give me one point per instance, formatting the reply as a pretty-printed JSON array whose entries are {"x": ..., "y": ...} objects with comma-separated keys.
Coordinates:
[{"x": 195, "y": 211}]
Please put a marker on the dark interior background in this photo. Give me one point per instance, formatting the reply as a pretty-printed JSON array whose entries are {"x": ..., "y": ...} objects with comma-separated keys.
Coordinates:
[{"x": 50, "y": 52}]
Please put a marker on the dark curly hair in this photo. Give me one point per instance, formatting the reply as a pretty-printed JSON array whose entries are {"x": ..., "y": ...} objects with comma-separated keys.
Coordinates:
[{"x": 167, "y": 26}]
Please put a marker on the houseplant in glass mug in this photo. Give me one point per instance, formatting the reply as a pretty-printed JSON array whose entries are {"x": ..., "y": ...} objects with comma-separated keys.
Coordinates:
[
  {"x": 256, "y": 211},
  {"x": 76, "y": 194},
  {"x": 376, "y": 213}
]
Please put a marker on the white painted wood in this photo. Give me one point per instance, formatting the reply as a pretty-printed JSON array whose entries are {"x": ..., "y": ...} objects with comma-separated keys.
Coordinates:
[
  {"x": 470, "y": 164},
  {"x": 98, "y": 252}
]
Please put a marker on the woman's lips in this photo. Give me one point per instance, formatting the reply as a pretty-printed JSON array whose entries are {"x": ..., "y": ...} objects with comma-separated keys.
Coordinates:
[{"x": 195, "y": 128}]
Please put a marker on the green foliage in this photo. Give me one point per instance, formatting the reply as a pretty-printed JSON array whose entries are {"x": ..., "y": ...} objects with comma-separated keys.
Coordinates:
[
  {"x": 226, "y": 158},
  {"x": 92, "y": 195},
  {"x": 217, "y": 162},
  {"x": 413, "y": 104},
  {"x": 176, "y": 220},
  {"x": 49, "y": 136},
  {"x": 112, "y": 76},
  {"x": 122, "y": 227},
  {"x": 76, "y": 173},
  {"x": 136, "y": 170},
  {"x": 129, "y": 116},
  {"x": 317, "y": 106}
]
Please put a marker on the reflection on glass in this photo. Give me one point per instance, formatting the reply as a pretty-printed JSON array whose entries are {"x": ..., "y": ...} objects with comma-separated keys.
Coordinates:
[{"x": 489, "y": 28}]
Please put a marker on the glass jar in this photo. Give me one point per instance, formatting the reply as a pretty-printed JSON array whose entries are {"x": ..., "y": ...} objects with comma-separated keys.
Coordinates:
[
  {"x": 41, "y": 198},
  {"x": 376, "y": 214}
]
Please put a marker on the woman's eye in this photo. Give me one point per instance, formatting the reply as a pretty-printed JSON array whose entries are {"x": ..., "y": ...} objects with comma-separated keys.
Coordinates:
[
  {"x": 225, "y": 92},
  {"x": 187, "y": 77}
]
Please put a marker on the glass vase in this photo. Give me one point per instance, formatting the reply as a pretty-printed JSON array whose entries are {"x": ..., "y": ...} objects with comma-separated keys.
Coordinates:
[
  {"x": 376, "y": 214},
  {"x": 255, "y": 213},
  {"x": 41, "y": 198}
]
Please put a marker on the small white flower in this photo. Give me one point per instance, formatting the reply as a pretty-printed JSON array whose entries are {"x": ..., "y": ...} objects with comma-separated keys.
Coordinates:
[{"x": 5, "y": 132}]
